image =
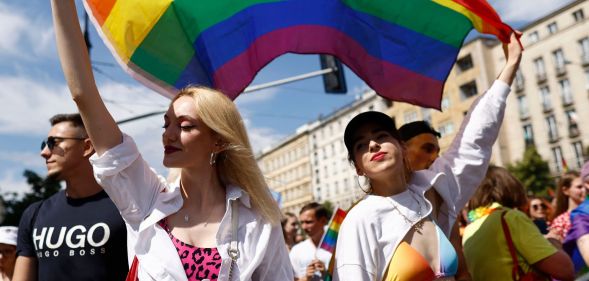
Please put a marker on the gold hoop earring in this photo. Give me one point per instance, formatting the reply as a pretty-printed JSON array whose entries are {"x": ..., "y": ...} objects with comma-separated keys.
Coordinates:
[{"x": 366, "y": 183}]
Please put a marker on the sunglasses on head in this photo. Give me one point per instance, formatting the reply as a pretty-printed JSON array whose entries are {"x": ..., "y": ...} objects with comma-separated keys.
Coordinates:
[
  {"x": 51, "y": 141},
  {"x": 535, "y": 207}
]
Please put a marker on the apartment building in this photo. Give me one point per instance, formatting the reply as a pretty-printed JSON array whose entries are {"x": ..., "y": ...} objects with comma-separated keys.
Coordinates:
[
  {"x": 549, "y": 105},
  {"x": 287, "y": 169}
]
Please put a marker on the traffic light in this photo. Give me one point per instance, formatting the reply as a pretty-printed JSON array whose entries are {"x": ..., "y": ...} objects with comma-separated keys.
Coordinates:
[{"x": 333, "y": 82}]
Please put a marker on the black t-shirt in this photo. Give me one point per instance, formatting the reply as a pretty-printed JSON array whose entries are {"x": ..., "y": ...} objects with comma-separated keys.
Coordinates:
[{"x": 75, "y": 239}]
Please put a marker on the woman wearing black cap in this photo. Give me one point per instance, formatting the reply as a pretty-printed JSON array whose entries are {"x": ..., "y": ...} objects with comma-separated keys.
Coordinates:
[{"x": 395, "y": 233}]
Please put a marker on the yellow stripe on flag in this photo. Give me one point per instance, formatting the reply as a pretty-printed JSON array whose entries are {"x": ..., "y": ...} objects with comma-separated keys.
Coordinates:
[
  {"x": 477, "y": 22},
  {"x": 130, "y": 21}
]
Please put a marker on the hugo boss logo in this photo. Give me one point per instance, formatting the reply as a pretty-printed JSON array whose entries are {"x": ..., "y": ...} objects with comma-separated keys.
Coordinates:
[{"x": 49, "y": 241}]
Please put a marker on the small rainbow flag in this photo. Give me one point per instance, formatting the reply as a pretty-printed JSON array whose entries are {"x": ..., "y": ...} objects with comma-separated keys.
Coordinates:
[
  {"x": 329, "y": 238},
  {"x": 403, "y": 49}
]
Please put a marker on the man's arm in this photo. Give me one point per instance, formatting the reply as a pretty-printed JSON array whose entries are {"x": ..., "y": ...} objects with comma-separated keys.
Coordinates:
[{"x": 25, "y": 269}]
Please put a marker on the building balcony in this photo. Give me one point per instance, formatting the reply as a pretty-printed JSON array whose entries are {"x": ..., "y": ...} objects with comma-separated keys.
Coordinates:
[
  {"x": 553, "y": 138},
  {"x": 561, "y": 70},
  {"x": 519, "y": 85},
  {"x": 585, "y": 59},
  {"x": 574, "y": 131},
  {"x": 541, "y": 77}
]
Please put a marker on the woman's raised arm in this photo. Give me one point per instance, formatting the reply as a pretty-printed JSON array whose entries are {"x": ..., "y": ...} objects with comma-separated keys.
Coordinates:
[{"x": 75, "y": 63}]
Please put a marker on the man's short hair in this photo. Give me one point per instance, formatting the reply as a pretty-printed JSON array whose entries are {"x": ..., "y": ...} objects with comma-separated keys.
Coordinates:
[
  {"x": 320, "y": 211},
  {"x": 410, "y": 130},
  {"x": 74, "y": 118}
]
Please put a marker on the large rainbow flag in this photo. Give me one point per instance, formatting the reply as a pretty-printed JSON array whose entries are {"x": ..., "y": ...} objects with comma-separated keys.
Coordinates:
[{"x": 403, "y": 49}]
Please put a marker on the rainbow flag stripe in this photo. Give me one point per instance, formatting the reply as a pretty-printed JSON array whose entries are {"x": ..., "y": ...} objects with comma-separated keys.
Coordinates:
[
  {"x": 330, "y": 237},
  {"x": 403, "y": 49}
]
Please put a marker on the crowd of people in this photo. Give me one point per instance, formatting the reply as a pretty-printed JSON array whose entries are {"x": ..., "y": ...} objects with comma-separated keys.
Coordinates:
[{"x": 425, "y": 216}]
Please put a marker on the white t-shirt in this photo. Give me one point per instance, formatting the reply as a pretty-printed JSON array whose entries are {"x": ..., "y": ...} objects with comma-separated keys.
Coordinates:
[{"x": 302, "y": 254}]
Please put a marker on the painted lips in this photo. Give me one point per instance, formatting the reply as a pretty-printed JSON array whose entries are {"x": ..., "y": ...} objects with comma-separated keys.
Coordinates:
[
  {"x": 378, "y": 156},
  {"x": 170, "y": 149}
]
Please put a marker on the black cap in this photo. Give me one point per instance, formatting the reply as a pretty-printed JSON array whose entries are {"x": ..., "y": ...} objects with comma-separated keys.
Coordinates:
[
  {"x": 368, "y": 117},
  {"x": 410, "y": 130}
]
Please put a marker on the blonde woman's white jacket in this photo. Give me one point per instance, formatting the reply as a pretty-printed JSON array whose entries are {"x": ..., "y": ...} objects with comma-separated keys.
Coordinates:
[
  {"x": 372, "y": 230},
  {"x": 144, "y": 198}
]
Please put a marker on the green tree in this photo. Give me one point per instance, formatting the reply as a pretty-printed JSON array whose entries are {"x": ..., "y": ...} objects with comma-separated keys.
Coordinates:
[
  {"x": 533, "y": 172},
  {"x": 329, "y": 206},
  {"x": 41, "y": 188}
]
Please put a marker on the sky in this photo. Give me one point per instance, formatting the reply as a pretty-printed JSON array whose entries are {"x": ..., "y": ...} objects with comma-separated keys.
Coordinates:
[{"x": 32, "y": 89}]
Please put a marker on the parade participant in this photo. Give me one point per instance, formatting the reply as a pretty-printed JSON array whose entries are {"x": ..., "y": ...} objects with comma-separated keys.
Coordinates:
[
  {"x": 395, "y": 233},
  {"x": 78, "y": 233},
  {"x": 538, "y": 211},
  {"x": 421, "y": 142},
  {"x": 423, "y": 148},
  {"x": 217, "y": 220},
  {"x": 8, "y": 236},
  {"x": 570, "y": 194},
  {"x": 502, "y": 241},
  {"x": 308, "y": 261},
  {"x": 576, "y": 243},
  {"x": 290, "y": 227}
]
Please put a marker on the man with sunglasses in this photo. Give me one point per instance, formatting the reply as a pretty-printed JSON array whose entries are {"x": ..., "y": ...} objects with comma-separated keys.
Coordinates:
[{"x": 76, "y": 234}]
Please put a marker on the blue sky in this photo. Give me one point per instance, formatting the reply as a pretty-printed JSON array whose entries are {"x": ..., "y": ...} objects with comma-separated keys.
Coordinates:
[{"x": 32, "y": 89}]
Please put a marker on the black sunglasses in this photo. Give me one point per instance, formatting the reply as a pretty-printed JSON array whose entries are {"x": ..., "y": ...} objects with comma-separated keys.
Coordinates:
[
  {"x": 50, "y": 141},
  {"x": 538, "y": 206}
]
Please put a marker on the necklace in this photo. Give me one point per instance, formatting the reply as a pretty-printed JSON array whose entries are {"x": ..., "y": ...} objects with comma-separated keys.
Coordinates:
[{"x": 416, "y": 225}]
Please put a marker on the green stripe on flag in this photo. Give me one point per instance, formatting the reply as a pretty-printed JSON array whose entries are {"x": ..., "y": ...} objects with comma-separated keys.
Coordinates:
[
  {"x": 197, "y": 16},
  {"x": 419, "y": 16},
  {"x": 165, "y": 51}
]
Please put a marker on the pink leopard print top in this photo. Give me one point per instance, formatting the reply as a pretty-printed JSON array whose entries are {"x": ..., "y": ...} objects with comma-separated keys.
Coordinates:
[{"x": 199, "y": 263}]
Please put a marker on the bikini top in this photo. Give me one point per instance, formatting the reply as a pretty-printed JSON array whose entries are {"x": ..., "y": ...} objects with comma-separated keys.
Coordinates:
[{"x": 407, "y": 264}]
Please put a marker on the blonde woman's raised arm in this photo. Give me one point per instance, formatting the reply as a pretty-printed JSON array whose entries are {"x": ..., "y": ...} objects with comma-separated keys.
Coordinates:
[{"x": 75, "y": 63}]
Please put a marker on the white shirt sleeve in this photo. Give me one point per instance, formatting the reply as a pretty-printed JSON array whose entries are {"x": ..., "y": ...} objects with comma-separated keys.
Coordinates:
[
  {"x": 465, "y": 162},
  {"x": 128, "y": 180}
]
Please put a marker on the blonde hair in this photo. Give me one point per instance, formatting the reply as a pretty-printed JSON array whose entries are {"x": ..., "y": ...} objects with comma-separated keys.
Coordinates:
[{"x": 236, "y": 164}]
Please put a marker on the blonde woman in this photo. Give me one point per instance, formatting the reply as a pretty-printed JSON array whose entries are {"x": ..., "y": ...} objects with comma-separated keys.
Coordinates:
[{"x": 218, "y": 220}]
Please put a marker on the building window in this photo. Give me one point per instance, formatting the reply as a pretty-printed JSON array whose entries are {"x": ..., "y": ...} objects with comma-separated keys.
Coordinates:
[
  {"x": 528, "y": 135},
  {"x": 410, "y": 116},
  {"x": 552, "y": 27},
  {"x": 426, "y": 115},
  {"x": 446, "y": 101},
  {"x": 578, "y": 15},
  {"x": 545, "y": 96},
  {"x": 578, "y": 149},
  {"x": 446, "y": 129},
  {"x": 584, "y": 45},
  {"x": 534, "y": 37},
  {"x": 552, "y": 129},
  {"x": 522, "y": 103},
  {"x": 557, "y": 158},
  {"x": 465, "y": 63},
  {"x": 540, "y": 69},
  {"x": 519, "y": 80},
  {"x": 565, "y": 91},
  {"x": 559, "y": 59},
  {"x": 572, "y": 123},
  {"x": 468, "y": 90}
]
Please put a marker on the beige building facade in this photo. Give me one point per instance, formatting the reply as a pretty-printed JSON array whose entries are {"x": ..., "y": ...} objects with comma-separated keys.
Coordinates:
[
  {"x": 287, "y": 169},
  {"x": 549, "y": 104}
]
